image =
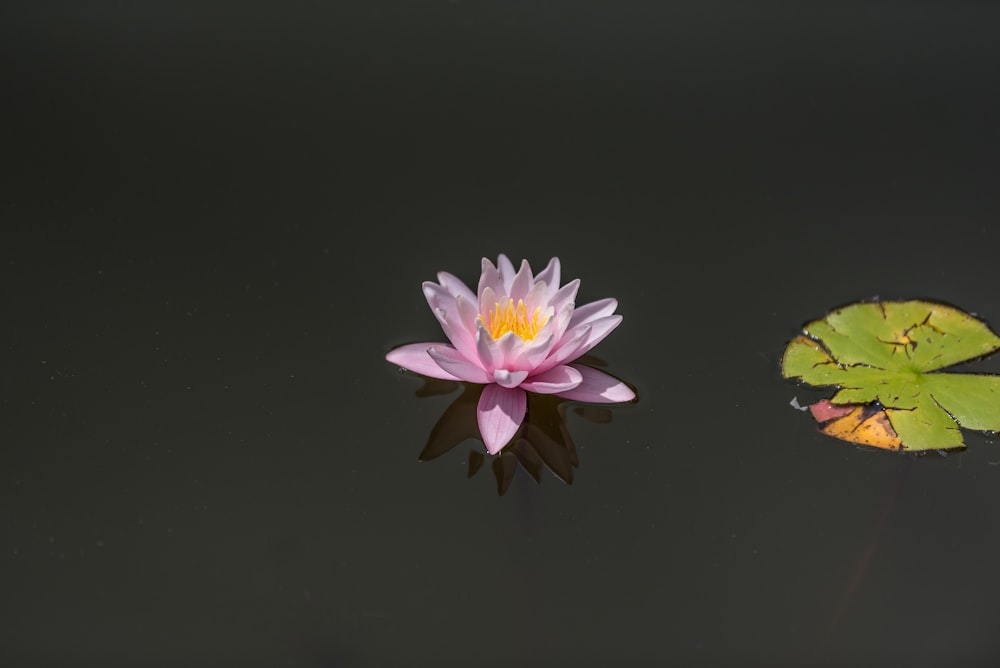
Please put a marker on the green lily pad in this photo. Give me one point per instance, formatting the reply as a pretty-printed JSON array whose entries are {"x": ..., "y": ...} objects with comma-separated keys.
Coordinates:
[{"x": 891, "y": 354}]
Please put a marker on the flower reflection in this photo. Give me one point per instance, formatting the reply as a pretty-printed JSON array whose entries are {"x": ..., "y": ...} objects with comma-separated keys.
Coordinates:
[
  {"x": 542, "y": 441},
  {"x": 519, "y": 335}
]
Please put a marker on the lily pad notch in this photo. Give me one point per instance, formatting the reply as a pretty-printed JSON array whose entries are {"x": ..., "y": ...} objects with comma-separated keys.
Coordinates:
[{"x": 887, "y": 360}]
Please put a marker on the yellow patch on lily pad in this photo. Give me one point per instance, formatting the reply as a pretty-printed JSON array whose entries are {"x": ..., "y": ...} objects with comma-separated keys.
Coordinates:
[{"x": 865, "y": 424}]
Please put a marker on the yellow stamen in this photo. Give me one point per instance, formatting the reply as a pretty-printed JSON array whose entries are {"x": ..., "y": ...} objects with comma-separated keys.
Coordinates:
[{"x": 505, "y": 317}]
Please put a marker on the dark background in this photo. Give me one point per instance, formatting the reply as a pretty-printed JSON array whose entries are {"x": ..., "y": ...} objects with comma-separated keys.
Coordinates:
[{"x": 217, "y": 217}]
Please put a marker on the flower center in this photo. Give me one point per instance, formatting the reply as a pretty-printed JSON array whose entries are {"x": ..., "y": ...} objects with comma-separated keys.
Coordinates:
[{"x": 505, "y": 317}]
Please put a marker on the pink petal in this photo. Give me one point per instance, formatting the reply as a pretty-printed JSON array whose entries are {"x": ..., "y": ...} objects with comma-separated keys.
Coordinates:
[
  {"x": 521, "y": 284},
  {"x": 598, "y": 329},
  {"x": 559, "y": 322},
  {"x": 445, "y": 307},
  {"x": 536, "y": 297},
  {"x": 565, "y": 295},
  {"x": 550, "y": 276},
  {"x": 437, "y": 297},
  {"x": 554, "y": 381},
  {"x": 598, "y": 387},
  {"x": 565, "y": 349},
  {"x": 455, "y": 286},
  {"x": 415, "y": 358},
  {"x": 534, "y": 352},
  {"x": 486, "y": 349},
  {"x": 508, "y": 350},
  {"x": 506, "y": 270},
  {"x": 455, "y": 363},
  {"x": 458, "y": 335},
  {"x": 488, "y": 299},
  {"x": 468, "y": 314},
  {"x": 592, "y": 311},
  {"x": 505, "y": 378},
  {"x": 489, "y": 278},
  {"x": 500, "y": 413}
]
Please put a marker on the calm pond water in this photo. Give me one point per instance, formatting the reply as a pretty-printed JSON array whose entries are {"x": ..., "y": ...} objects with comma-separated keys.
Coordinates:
[{"x": 221, "y": 219}]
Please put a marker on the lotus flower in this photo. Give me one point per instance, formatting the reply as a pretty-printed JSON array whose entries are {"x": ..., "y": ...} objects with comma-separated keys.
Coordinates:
[{"x": 519, "y": 334}]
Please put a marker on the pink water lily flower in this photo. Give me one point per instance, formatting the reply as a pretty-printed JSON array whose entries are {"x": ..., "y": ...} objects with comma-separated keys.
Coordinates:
[{"x": 519, "y": 334}]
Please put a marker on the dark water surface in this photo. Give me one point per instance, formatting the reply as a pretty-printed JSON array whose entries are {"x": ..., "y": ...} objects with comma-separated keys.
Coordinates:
[{"x": 218, "y": 219}]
